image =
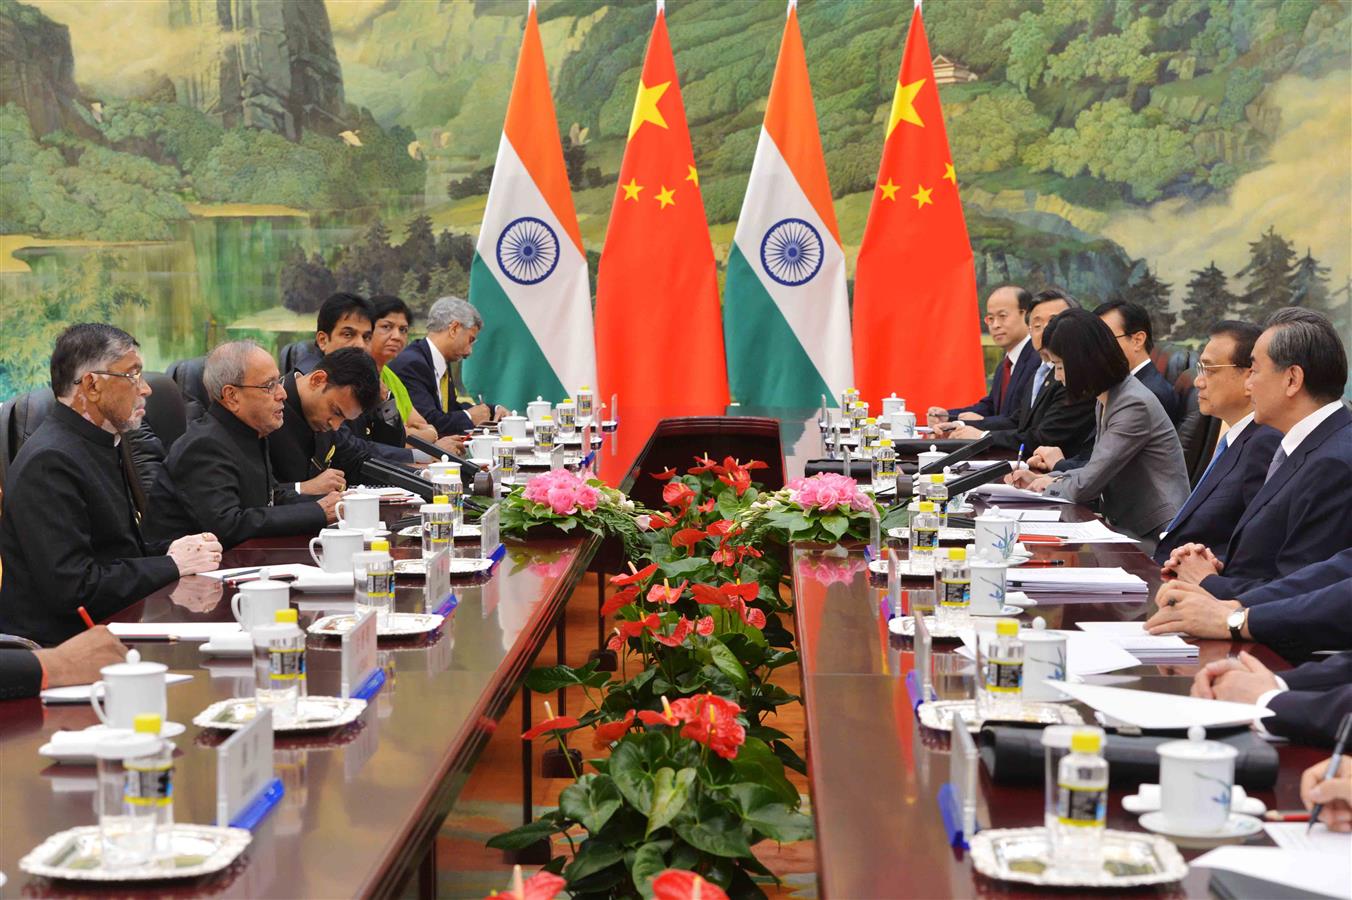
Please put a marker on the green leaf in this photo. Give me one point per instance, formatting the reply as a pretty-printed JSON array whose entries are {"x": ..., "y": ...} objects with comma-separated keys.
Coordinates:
[
  {"x": 756, "y": 763},
  {"x": 835, "y": 524},
  {"x": 685, "y": 566},
  {"x": 525, "y": 836},
  {"x": 593, "y": 856},
  {"x": 719, "y": 834},
  {"x": 628, "y": 768},
  {"x": 762, "y": 810},
  {"x": 727, "y": 663},
  {"x": 548, "y": 679},
  {"x": 670, "y": 791},
  {"x": 649, "y": 860},
  {"x": 591, "y": 801}
]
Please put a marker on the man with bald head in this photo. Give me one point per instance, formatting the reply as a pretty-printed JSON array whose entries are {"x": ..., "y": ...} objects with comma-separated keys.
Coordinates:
[
  {"x": 219, "y": 474},
  {"x": 1006, "y": 309}
]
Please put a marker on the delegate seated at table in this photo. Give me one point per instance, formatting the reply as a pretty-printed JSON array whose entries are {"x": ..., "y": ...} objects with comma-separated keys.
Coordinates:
[
  {"x": 1301, "y": 514},
  {"x": 1309, "y": 701},
  {"x": 25, "y": 673},
  {"x": 1006, "y": 322},
  {"x": 1333, "y": 794},
  {"x": 312, "y": 451},
  {"x": 71, "y": 533},
  {"x": 218, "y": 477},
  {"x": 424, "y": 368}
]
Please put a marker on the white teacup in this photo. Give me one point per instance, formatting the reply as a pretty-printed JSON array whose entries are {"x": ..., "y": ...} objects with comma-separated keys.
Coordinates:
[
  {"x": 893, "y": 404},
  {"x": 1044, "y": 656},
  {"x": 441, "y": 470},
  {"x": 481, "y": 446},
  {"x": 1197, "y": 777},
  {"x": 996, "y": 534},
  {"x": 257, "y": 601},
  {"x": 988, "y": 585},
  {"x": 338, "y": 545},
  {"x": 127, "y": 689},
  {"x": 930, "y": 456},
  {"x": 513, "y": 427},
  {"x": 358, "y": 510},
  {"x": 538, "y": 408},
  {"x": 901, "y": 424}
]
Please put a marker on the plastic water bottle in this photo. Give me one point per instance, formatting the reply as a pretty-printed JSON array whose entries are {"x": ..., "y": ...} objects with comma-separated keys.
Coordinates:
[
  {"x": 938, "y": 495},
  {"x": 858, "y": 413},
  {"x": 1081, "y": 805},
  {"x": 126, "y": 824},
  {"x": 279, "y": 665},
  {"x": 438, "y": 526},
  {"x": 150, "y": 780},
  {"x": 544, "y": 435},
  {"x": 953, "y": 587},
  {"x": 566, "y": 414},
  {"x": 1000, "y": 672},
  {"x": 453, "y": 493},
  {"x": 924, "y": 533},
  {"x": 373, "y": 578},
  {"x": 847, "y": 399},
  {"x": 869, "y": 435},
  {"x": 884, "y": 467},
  {"x": 504, "y": 457},
  {"x": 585, "y": 401}
]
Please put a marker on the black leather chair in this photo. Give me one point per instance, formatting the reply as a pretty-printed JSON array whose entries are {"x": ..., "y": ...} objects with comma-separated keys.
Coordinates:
[
  {"x": 166, "y": 411},
  {"x": 297, "y": 356},
  {"x": 187, "y": 374},
  {"x": 675, "y": 444},
  {"x": 21, "y": 417}
]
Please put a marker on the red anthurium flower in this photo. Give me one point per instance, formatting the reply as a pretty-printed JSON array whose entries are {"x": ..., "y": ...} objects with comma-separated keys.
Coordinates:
[
  {"x": 609, "y": 732},
  {"x": 664, "y": 475},
  {"x": 661, "y": 520},
  {"x": 687, "y": 537},
  {"x": 678, "y": 494},
  {"x": 677, "y": 636},
  {"x": 753, "y": 617},
  {"x": 724, "y": 556},
  {"x": 626, "y": 630},
  {"x": 713, "y": 721},
  {"x": 540, "y": 886},
  {"x": 705, "y": 626},
  {"x": 756, "y": 464},
  {"x": 639, "y": 575},
  {"x": 709, "y": 595},
  {"x": 737, "y": 478},
  {"x": 666, "y": 717},
  {"x": 665, "y": 593},
  {"x": 707, "y": 506},
  {"x": 747, "y": 592},
  {"x": 722, "y": 527},
  {"x": 551, "y": 723},
  {"x": 677, "y": 884},
  {"x": 705, "y": 465},
  {"x": 619, "y": 599}
]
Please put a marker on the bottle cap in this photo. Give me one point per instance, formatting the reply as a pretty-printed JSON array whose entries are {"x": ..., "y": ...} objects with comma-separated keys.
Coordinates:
[
  {"x": 380, "y": 545},
  {"x": 870, "y": 421},
  {"x": 936, "y": 479},
  {"x": 1006, "y": 627},
  {"x": 926, "y": 506},
  {"x": 585, "y": 388},
  {"x": 957, "y": 553},
  {"x": 284, "y": 617},
  {"x": 506, "y": 438},
  {"x": 441, "y": 498},
  {"x": 546, "y": 418},
  {"x": 1085, "y": 741},
  {"x": 147, "y": 723},
  {"x": 885, "y": 442}
]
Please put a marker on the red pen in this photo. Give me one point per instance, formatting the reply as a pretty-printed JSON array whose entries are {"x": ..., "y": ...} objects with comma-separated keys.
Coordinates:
[
  {"x": 84, "y": 614},
  {"x": 1274, "y": 815}
]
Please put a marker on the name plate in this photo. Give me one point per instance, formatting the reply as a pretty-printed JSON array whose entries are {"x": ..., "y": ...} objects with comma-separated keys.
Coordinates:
[
  {"x": 957, "y": 797},
  {"x": 359, "y": 657},
  {"x": 489, "y": 541},
  {"x": 893, "y": 583},
  {"x": 875, "y": 533},
  {"x": 437, "y": 586},
  {"x": 246, "y": 787},
  {"x": 924, "y": 660}
]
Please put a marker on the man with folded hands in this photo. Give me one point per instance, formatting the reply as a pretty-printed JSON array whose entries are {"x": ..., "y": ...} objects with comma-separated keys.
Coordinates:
[{"x": 1309, "y": 700}]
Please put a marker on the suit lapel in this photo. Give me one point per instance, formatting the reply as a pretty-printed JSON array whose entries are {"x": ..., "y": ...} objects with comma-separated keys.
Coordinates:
[
  {"x": 1316, "y": 438},
  {"x": 1219, "y": 472}
]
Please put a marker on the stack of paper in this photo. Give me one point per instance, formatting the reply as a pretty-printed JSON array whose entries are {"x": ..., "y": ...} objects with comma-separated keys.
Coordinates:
[
  {"x": 1033, "y": 515},
  {"x": 1163, "y": 712},
  {"x": 1147, "y": 647},
  {"x": 1310, "y": 872},
  {"x": 179, "y": 631},
  {"x": 1094, "y": 532},
  {"x": 1071, "y": 583},
  {"x": 1086, "y": 654},
  {"x": 1007, "y": 493}
]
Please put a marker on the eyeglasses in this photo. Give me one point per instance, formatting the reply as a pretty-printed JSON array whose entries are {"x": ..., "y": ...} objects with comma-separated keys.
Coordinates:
[
  {"x": 136, "y": 378},
  {"x": 1208, "y": 371},
  {"x": 270, "y": 386}
]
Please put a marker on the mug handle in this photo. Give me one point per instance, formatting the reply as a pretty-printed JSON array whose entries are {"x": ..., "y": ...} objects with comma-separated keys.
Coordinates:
[
  {"x": 313, "y": 541},
  {"x": 234, "y": 607},
  {"x": 338, "y": 509},
  {"x": 98, "y": 706}
]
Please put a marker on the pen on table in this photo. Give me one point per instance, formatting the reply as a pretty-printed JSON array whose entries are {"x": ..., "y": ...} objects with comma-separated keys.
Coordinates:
[
  {"x": 1035, "y": 563},
  {"x": 1332, "y": 771},
  {"x": 84, "y": 614},
  {"x": 148, "y": 638},
  {"x": 1274, "y": 815}
]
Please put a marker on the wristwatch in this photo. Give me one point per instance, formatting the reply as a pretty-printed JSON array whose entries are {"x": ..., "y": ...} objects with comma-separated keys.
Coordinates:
[{"x": 1236, "y": 621}]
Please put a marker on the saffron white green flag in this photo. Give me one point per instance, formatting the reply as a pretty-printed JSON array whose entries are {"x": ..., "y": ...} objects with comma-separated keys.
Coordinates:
[
  {"x": 529, "y": 276},
  {"x": 785, "y": 306}
]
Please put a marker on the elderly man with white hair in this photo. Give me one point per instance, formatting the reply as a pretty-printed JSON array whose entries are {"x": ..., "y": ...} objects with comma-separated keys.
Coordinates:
[
  {"x": 424, "y": 367},
  {"x": 71, "y": 536},
  {"x": 219, "y": 474}
]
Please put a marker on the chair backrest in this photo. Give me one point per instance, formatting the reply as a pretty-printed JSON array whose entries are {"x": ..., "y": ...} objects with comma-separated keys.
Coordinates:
[
  {"x": 1197, "y": 433},
  {"x": 187, "y": 374},
  {"x": 676, "y": 443},
  {"x": 24, "y": 414},
  {"x": 291, "y": 356},
  {"x": 1178, "y": 362},
  {"x": 166, "y": 411}
]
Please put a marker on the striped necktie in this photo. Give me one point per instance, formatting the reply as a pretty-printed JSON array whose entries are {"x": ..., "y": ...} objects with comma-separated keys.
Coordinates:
[
  {"x": 1221, "y": 447},
  {"x": 1277, "y": 459}
]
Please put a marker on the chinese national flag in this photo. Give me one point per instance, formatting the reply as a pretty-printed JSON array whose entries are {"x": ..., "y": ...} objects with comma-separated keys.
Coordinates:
[
  {"x": 659, "y": 333},
  {"x": 916, "y": 329}
]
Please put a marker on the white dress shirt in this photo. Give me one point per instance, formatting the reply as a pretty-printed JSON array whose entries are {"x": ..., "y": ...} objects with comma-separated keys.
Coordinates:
[
  {"x": 1140, "y": 365},
  {"x": 439, "y": 366},
  {"x": 1234, "y": 431},
  {"x": 1016, "y": 350},
  {"x": 1301, "y": 430}
]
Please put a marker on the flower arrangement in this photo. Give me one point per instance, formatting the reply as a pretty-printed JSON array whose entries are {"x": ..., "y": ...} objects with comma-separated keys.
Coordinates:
[
  {"x": 825, "y": 508},
  {"x": 565, "y": 501}
]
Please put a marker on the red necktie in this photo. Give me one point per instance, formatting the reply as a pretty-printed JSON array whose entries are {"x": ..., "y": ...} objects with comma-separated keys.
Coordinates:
[{"x": 1005, "y": 372}]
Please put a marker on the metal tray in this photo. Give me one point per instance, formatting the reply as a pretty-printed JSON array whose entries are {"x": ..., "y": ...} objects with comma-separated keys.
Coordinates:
[
  {"x": 938, "y": 714},
  {"x": 1130, "y": 859},
  {"x": 196, "y": 850}
]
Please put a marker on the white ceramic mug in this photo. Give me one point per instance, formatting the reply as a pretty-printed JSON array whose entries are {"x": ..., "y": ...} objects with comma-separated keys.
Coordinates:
[
  {"x": 1044, "y": 657},
  {"x": 538, "y": 408},
  {"x": 513, "y": 427},
  {"x": 481, "y": 446},
  {"x": 257, "y": 601},
  {"x": 893, "y": 404},
  {"x": 358, "y": 510},
  {"x": 127, "y": 689},
  {"x": 1197, "y": 777},
  {"x": 338, "y": 545},
  {"x": 996, "y": 534},
  {"x": 988, "y": 585},
  {"x": 441, "y": 469},
  {"x": 901, "y": 424},
  {"x": 930, "y": 456}
]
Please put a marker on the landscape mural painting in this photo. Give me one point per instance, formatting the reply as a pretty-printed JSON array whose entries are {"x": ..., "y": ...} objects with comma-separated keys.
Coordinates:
[{"x": 195, "y": 170}]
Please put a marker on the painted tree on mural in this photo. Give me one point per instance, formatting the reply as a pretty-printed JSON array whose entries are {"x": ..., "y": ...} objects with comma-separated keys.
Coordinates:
[{"x": 1209, "y": 300}]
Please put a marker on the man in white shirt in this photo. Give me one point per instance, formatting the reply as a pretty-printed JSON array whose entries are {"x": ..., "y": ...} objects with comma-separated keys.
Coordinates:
[
  {"x": 424, "y": 366},
  {"x": 1006, "y": 309}
]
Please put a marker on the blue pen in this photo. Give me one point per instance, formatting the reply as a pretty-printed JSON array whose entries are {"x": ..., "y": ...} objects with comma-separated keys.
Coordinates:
[{"x": 1020, "y": 457}]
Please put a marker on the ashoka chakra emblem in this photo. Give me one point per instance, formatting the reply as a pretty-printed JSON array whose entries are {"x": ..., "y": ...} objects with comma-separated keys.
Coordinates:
[
  {"x": 528, "y": 250},
  {"x": 792, "y": 252}
]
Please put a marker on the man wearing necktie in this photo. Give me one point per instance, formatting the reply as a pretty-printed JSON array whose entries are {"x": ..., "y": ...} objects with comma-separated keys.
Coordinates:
[
  {"x": 424, "y": 367},
  {"x": 1239, "y": 466},
  {"x": 1299, "y": 515},
  {"x": 1006, "y": 311}
]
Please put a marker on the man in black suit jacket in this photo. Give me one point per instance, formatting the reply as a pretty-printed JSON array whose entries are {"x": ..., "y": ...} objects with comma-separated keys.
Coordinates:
[
  {"x": 1300, "y": 515},
  {"x": 1006, "y": 321},
  {"x": 311, "y": 451},
  {"x": 71, "y": 532},
  {"x": 1239, "y": 466},
  {"x": 424, "y": 367},
  {"x": 1309, "y": 700},
  {"x": 26, "y": 673},
  {"x": 219, "y": 477}
]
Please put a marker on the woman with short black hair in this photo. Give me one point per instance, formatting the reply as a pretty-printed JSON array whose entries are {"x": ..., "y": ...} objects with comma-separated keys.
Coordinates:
[{"x": 1136, "y": 469}]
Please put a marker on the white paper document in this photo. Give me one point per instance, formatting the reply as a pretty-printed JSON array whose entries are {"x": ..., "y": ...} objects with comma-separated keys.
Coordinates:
[
  {"x": 1147, "y": 709},
  {"x": 1007, "y": 493},
  {"x": 1085, "y": 653},
  {"x": 1323, "y": 874},
  {"x": 1033, "y": 515},
  {"x": 1293, "y": 836},
  {"x": 1094, "y": 532},
  {"x": 305, "y": 577},
  {"x": 1133, "y": 637},
  {"x": 1077, "y": 580},
  {"x": 184, "y": 631},
  {"x": 79, "y": 693}
]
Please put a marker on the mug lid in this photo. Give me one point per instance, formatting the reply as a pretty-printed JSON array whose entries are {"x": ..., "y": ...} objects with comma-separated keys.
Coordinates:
[
  {"x": 1196, "y": 747},
  {"x": 133, "y": 666}
]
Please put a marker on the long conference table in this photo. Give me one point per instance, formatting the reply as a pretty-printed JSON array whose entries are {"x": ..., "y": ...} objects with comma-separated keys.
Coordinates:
[{"x": 363, "y": 806}]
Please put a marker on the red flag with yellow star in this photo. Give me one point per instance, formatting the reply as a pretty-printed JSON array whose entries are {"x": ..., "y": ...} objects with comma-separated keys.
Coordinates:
[
  {"x": 916, "y": 327},
  {"x": 659, "y": 334}
]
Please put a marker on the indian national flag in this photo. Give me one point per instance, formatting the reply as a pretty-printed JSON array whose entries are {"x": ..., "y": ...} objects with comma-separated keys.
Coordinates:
[
  {"x": 529, "y": 276},
  {"x": 785, "y": 308}
]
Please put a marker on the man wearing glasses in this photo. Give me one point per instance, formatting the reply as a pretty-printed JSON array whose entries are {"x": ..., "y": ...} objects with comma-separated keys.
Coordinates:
[
  {"x": 1239, "y": 465},
  {"x": 219, "y": 475},
  {"x": 71, "y": 533}
]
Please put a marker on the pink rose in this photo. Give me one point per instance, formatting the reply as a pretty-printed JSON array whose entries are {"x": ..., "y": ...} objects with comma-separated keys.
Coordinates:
[
  {"x": 563, "y": 500},
  {"x": 587, "y": 496}
]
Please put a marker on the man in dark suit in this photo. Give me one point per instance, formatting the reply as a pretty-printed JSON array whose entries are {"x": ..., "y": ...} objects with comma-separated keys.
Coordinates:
[
  {"x": 26, "y": 673},
  {"x": 424, "y": 367},
  {"x": 343, "y": 320},
  {"x": 1130, "y": 324},
  {"x": 1006, "y": 312},
  {"x": 1239, "y": 466},
  {"x": 1300, "y": 514},
  {"x": 311, "y": 451},
  {"x": 71, "y": 532},
  {"x": 219, "y": 477},
  {"x": 1044, "y": 417},
  {"x": 1309, "y": 700}
]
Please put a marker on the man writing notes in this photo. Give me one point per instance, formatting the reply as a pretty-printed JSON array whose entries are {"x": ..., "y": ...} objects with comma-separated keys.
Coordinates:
[
  {"x": 1300, "y": 514},
  {"x": 424, "y": 367},
  {"x": 312, "y": 451},
  {"x": 1006, "y": 309},
  {"x": 1239, "y": 466},
  {"x": 71, "y": 533},
  {"x": 219, "y": 476}
]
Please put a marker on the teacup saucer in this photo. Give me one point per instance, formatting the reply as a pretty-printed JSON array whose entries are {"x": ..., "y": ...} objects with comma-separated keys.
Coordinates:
[{"x": 1237, "y": 826}]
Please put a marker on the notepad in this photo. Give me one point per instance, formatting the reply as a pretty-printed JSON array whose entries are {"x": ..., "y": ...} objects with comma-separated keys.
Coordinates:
[
  {"x": 1094, "y": 532},
  {"x": 1086, "y": 654},
  {"x": 183, "y": 631},
  {"x": 1033, "y": 515},
  {"x": 1149, "y": 709},
  {"x": 1007, "y": 493},
  {"x": 1323, "y": 874},
  {"x": 1132, "y": 637},
  {"x": 79, "y": 693},
  {"x": 1299, "y": 836},
  {"x": 1078, "y": 580}
]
